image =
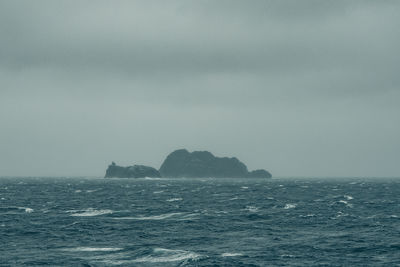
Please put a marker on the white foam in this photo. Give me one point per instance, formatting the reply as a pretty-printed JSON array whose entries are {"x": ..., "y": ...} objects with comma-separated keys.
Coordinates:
[
  {"x": 93, "y": 190},
  {"x": 90, "y": 212},
  {"x": 348, "y": 197},
  {"x": 290, "y": 206},
  {"x": 78, "y": 191},
  {"x": 168, "y": 255},
  {"x": 158, "y": 192},
  {"x": 245, "y": 187},
  {"x": 174, "y": 199},
  {"x": 91, "y": 249},
  {"x": 340, "y": 214},
  {"x": 27, "y": 210},
  {"x": 228, "y": 254},
  {"x": 346, "y": 203},
  {"x": 251, "y": 208},
  {"x": 307, "y": 215},
  {"x": 154, "y": 217}
]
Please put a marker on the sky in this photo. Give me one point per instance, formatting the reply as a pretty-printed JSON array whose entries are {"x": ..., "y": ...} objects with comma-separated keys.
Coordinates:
[{"x": 300, "y": 88}]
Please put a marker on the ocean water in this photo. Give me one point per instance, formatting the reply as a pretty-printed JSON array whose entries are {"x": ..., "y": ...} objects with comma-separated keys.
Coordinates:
[{"x": 199, "y": 222}]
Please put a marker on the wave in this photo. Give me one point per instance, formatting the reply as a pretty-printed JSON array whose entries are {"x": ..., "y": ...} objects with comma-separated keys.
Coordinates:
[
  {"x": 168, "y": 255},
  {"x": 174, "y": 199},
  {"x": 27, "y": 210},
  {"x": 290, "y": 206},
  {"x": 345, "y": 203},
  {"x": 251, "y": 208},
  {"x": 157, "y": 255},
  {"x": 91, "y": 249},
  {"x": 89, "y": 212},
  {"x": 154, "y": 217},
  {"x": 15, "y": 209},
  {"x": 91, "y": 191},
  {"x": 228, "y": 254}
]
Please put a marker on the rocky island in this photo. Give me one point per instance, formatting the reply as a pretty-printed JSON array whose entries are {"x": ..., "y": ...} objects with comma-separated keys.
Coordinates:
[
  {"x": 135, "y": 171},
  {"x": 197, "y": 164}
]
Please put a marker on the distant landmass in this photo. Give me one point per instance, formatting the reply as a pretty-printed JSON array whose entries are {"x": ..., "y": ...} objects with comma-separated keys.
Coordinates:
[
  {"x": 135, "y": 171},
  {"x": 182, "y": 163}
]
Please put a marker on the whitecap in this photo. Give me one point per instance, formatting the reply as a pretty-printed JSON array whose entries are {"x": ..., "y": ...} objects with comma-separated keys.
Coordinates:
[
  {"x": 346, "y": 203},
  {"x": 158, "y": 192},
  {"x": 168, "y": 255},
  {"x": 290, "y": 206},
  {"x": 27, "y": 210},
  {"x": 154, "y": 217},
  {"x": 78, "y": 191},
  {"x": 91, "y": 191},
  {"x": 234, "y": 198},
  {"x": 348, "y": 197},
  {"x": 91, "y": 249},
  {"x": 245, "y": 187},
  {"x": 287, "y": 256},
  {"x": 340, "y": 214},
  {"x": 307, "y": 215},
  {"x": 90, "y": 212},
  {"x": 152, "y": 178},
  {"x": 228, "y": 254},
  {"x": 174, "y": 199},
  {"x": 251, "y": 208}
]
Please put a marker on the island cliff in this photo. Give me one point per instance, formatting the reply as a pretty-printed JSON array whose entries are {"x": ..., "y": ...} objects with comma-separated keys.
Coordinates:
[
  {"x": 182, "y": 163},
  {"x": 135, "y": 171}
]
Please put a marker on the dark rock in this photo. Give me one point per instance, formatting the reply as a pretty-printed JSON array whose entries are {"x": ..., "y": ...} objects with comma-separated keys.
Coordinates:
[
  {"x": 182, "y": 163},
  {"x": 259, "y": 174},
  {"x": 135, "y": 171}
]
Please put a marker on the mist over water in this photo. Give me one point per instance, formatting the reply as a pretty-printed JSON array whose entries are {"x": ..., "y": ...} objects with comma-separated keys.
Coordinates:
[{"x": 201, "y": 222}]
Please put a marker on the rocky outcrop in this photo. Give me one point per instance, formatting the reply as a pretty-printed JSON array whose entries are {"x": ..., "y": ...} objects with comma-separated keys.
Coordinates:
[
  {"x": 182, "y": 163},
  {"x": 135, "y": 171},
  {"x": 259, "y": 174}
]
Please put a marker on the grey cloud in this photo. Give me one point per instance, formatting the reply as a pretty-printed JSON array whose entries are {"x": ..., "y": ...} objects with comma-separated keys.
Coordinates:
[{"x": 300, "y": 86}]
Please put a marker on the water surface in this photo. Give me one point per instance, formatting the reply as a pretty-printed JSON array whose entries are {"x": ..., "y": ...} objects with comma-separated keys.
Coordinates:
[{"x": 201, "y": 222}]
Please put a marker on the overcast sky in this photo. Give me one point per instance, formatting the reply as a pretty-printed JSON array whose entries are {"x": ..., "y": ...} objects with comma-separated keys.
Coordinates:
[{"x": 300, "y": 88}]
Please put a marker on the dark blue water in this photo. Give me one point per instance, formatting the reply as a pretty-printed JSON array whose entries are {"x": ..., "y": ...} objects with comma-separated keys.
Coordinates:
[{"x": 199, "y": 222}]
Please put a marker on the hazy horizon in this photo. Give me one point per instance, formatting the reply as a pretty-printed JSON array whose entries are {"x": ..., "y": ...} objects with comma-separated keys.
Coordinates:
[{"x": 299, "y": 88}]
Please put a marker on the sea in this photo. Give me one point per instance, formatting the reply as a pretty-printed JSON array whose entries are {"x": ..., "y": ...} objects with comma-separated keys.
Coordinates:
[{"x": 89, "y": 221}]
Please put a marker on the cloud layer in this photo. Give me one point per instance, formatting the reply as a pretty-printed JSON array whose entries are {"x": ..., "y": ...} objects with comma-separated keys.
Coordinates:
[{"x": 302, "y": 88}]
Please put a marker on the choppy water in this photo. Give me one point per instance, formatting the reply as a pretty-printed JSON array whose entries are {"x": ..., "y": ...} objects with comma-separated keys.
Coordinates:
[{"x": 200, "y": 222}]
